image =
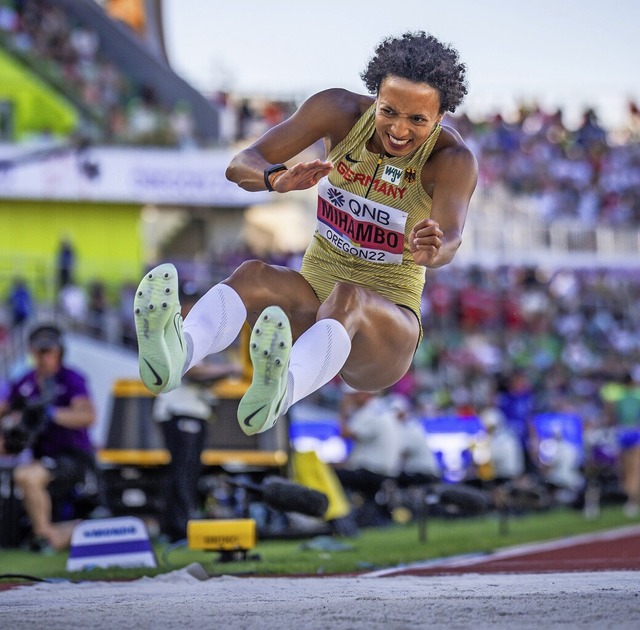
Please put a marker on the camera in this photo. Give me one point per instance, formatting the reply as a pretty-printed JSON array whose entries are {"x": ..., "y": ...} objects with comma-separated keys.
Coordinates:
[{"x": 35, "y": 416}]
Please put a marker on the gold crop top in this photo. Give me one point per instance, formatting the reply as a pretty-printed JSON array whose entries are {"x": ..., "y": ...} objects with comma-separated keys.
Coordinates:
[{"x": 367, "y": 207}]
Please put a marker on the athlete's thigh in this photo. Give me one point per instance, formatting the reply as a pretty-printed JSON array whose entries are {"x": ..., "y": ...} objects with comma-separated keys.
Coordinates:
[
  {"x": 261, "y": 285},
  {"x": 384, "y": 338}
]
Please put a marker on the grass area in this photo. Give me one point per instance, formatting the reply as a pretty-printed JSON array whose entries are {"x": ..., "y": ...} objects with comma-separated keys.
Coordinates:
[{"x": 371, "y": 549}]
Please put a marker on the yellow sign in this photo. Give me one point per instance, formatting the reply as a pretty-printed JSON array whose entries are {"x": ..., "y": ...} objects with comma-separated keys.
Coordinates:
[{"x": 222, "y": 534}]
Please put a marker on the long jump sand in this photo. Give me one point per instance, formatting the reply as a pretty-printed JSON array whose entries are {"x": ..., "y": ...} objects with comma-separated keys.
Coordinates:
[
  {"x": 554, "y": 600},
  {"x": 462, "y": 593}
]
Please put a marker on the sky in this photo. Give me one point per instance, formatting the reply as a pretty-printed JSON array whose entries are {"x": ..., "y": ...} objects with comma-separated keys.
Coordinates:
[{"x": 558, "y": 53}]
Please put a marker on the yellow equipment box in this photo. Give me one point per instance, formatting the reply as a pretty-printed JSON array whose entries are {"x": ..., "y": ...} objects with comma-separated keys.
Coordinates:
[{"x": 222, "y": 534}]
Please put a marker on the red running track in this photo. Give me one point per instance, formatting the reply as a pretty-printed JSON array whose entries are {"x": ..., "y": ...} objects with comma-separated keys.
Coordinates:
[{"x": 613, "y": 550}]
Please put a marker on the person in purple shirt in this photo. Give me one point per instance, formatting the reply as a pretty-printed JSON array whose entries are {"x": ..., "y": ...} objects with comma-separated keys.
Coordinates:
[
  {"x": 49, "y": 411},
  {"x": 517, "y": 402}
]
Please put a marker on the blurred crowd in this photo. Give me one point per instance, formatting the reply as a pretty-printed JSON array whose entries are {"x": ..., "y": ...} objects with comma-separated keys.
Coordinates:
[
  {"x": 69, "y": 54},
  {"x": 588, "y": 174},
  {"x": 569, "y": 329}
]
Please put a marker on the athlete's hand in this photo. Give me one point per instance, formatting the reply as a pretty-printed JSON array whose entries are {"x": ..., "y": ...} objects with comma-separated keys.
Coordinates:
[
  {"x": 302, "y": 176},
  {"x": 425, "y": 242}
]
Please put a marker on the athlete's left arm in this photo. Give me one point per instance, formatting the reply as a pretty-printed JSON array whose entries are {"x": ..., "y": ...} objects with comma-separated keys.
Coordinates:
[{"x": 454, "y": 174}]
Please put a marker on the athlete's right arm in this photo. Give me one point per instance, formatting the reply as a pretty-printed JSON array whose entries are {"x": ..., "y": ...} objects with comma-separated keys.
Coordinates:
[{"x": 327, "y": 115}]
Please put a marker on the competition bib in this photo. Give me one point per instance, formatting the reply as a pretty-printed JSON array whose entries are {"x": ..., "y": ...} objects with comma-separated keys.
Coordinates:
[{"x": 360, "y": 227}]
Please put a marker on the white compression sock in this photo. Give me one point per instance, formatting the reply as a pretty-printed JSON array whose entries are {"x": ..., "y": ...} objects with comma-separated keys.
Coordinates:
[
  {"x": 316, "y": 357},
  {"x": 213, "y": 323}
]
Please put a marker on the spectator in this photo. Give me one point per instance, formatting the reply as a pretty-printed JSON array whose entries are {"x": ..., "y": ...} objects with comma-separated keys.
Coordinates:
[
  {"x": 505, "y": 450},
  {"x": 97, "y": 310},
  {"x": 590, "y": 135},
  {"x": 74, "y": 305},
  {"x": 418, "y": 462},
  {"x": 20, "y": 303},
  {"x": 560, "y": 466},
  {"x": 50, "y": 411},
  {"x": 623, "y": 406},
  {"x": 182, "y": 125},
  {"x": 66, "y": 264},
  {"x": 375, "y": 457},
  {"x": 516, "y": 401}
]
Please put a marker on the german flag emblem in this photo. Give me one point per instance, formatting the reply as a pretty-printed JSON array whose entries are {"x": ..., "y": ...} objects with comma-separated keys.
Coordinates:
[{"x": 410, "y": 176}]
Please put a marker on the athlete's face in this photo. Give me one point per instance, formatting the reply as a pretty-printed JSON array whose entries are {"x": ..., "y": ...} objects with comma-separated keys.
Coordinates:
[{"x": 406, "y": 113}]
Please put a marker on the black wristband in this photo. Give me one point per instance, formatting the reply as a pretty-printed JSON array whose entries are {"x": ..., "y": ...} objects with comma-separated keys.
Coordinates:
[{"x": 275, "y": 168}]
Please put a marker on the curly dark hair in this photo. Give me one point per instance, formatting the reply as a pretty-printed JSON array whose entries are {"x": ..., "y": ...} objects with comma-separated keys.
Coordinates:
[{"x": 420, "y": 58}]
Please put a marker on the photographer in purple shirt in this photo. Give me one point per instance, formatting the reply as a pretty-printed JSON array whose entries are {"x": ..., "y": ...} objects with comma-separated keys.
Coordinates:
[{"x": 48, "y": 411}]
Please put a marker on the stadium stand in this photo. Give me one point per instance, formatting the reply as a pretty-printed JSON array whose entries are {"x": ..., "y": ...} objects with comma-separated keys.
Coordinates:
[{"x": 124, "y": 91}]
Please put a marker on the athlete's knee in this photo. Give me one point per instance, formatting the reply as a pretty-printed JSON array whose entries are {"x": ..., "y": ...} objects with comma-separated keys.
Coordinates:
[
  {"x": 249, "y": 272},
  {"x": 252, "y": 280}
]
